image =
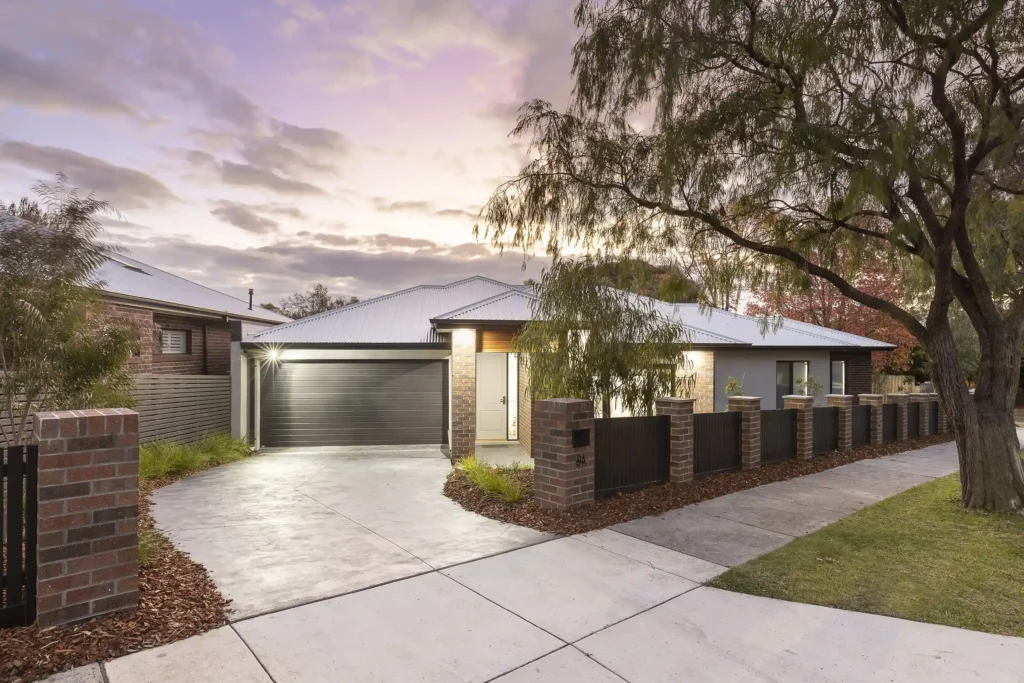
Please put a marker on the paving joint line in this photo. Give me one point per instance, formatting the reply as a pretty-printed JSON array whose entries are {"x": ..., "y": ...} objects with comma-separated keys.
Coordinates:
[{"x": 252, "y": 652}]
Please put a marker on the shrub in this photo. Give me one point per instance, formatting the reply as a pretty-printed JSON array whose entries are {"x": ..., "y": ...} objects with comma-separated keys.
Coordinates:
[
  {"x": 170, "y": 459},
  {"x": 499, "y": 482}
]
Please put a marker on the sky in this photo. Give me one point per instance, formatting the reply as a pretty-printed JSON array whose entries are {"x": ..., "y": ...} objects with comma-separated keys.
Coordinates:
[{"x": 273, "y": 144}]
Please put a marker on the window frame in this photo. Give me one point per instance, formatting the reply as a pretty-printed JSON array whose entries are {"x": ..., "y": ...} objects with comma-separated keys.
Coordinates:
[
  {"x": 792, "y": 378},
  {"x": 832, "y": 376},
  {"x": 186, "y": 336}
]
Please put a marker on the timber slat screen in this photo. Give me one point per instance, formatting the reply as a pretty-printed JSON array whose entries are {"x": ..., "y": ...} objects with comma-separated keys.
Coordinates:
[
  {"x": 889, "y": 422},
  {"x": 716, "y": 442},
  {"x": 778, "y": 435},
  {"x": 861, "y": 426},
  {"x": 629, "y": 453},
  {"x": 826, "y": 430},
  {"x": 182, "y": 408},
  {"x": 20, "y": 533},
  {"x": 913, "y": 420}
]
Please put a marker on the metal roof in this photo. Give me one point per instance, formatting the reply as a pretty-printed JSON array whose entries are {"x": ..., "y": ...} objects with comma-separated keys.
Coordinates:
[
  {"x": 399, "y": 318},
  {"x": 131, "y": 279},
  {"x": 411, "y": 316}
]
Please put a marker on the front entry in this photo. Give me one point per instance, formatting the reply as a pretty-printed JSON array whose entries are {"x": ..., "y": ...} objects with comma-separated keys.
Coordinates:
[{"x": 491, "y": 396}]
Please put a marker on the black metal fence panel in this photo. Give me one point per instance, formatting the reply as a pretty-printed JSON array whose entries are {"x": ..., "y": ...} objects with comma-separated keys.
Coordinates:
[
  {"x": 778, "y": 435},
  {"x": 889, "y": 422},
  {"x": 20, "y": 533},
  {"x": 913, "y": 420},
  {"x": 861, "y": 426},
  {"x": 716, "y": 442},
  {"x": 826, "y": 430},
  {"x": 933, "y": 417},
  {"x": 630, "y": 453}
]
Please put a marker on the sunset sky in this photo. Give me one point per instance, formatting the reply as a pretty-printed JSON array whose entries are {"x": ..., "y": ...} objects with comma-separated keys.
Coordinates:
[{"x": 274, "y": 143}]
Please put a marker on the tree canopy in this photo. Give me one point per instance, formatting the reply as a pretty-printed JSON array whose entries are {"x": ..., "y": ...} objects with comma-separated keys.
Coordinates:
[
  {"x": 317, "y": 299},
  {"x": 817, "y": 135}
]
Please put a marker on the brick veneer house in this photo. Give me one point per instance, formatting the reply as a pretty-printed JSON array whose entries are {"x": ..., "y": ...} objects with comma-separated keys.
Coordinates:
[{"x": 432, "y": 365}]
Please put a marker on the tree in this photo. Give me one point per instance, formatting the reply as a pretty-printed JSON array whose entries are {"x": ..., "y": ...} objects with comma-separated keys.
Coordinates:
[
  {"x": 872, "y": 129},
  {"x": 818, "y": 302},
  {"x": 589, "y": 340},
  {"x": 56, "y": 349},
  {"x": 311, "y": 302},
  {"x": 718, "y": 267}
]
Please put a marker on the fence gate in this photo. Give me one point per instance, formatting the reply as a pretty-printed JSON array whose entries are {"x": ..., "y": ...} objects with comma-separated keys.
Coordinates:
[
  {"x": 629, "y": 453},
  {"x": 18, "y": 582},
  {"x": 716, "y": 442},
  {"x": 778, "y": 435},
  {"x": 913, "y": 419},
  {"x": 889, "y": 422},
  {"x": 861, "y": 426},
  {"x": 826, "y": 430}
]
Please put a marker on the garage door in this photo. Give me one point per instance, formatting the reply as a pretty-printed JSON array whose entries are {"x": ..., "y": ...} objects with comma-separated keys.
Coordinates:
[{"x": 355, "y": 403}]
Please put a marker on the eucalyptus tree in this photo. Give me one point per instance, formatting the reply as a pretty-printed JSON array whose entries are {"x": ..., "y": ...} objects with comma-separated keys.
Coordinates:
[
  {"x": 802, "y": 127},
  {"x": 57, "y": 350},
  {"x": 588, "y": 340}
]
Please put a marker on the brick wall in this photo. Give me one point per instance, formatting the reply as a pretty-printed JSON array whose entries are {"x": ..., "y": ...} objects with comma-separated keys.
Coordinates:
[
  {"x": 88, "y": 514},
  {"x": 463, "y": 438},
  {"x": 525, "y": 404},
  {"x": 858, "y": 371},
  {"x": 563, "y": 475},
  {"x": 704, "y": 370},
  {"x": 142, "y": 319}
]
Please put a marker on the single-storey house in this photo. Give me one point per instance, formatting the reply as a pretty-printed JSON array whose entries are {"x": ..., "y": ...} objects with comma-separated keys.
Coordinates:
[{"x": 432, "y": 365}]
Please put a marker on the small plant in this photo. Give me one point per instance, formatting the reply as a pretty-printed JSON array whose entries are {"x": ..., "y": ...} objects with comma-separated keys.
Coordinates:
[
  {"x": 499, "y": 482},
  {"x": 734, "y": 387},
  {"x": 170, "y": 459},
  {"x": 809, "y": 386}
]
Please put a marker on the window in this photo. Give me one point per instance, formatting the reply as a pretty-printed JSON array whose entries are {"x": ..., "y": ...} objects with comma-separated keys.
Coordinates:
[
  {"x": 174, "y": 341},
  {"x": 839, "y": 377},
  {"x": 789, "y": 375}
]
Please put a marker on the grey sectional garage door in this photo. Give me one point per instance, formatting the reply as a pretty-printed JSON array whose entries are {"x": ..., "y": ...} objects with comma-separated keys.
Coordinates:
[{"x": 355, "y": 403}]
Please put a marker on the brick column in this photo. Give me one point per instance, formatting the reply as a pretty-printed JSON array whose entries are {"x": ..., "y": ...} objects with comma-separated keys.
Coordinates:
[
  {"x": 901, "y": 401},
  {"x": 680, "y": 442},
  {"x": 876, "y": 402},
  {"x": 749, "y": 408},
  {"x": 804, "y": 406},
  {"x": 563, "y": 476},
  {"x": 845, "y": 405},
  {"x": 88, "y": 514},
  {"x": 463, "y": 437}
]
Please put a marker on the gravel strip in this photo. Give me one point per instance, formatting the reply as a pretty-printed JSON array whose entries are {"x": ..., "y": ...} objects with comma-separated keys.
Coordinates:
[
  {"x": 654, "y": 500},
  {"x": 177, "y": 599}
]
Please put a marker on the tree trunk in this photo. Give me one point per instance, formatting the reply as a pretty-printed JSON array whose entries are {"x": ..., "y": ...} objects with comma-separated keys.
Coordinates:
[{"x": 991, "y": 471}]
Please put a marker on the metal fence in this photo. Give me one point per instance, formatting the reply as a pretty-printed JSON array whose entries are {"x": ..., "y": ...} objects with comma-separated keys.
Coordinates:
[
  {"x": 20, "y": 533},
  {"x": 889, "y": 416},
  {"x": 826, "y": 430},
  {"x": 182, "y": 408},
  {"x": 778, "y": 435},
  {"x": 716, "y": 442},
  {"x": 630, "y": 453},
  {"x": 913, "y": 420},
  {"x": 933, "y": 417},
  {"x": 861, "y": 426}
]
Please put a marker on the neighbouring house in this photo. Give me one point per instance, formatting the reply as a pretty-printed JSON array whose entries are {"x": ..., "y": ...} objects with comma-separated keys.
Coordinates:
[
  {"x": 432, "y": 365},
  {"x": 183, "y": 366}
]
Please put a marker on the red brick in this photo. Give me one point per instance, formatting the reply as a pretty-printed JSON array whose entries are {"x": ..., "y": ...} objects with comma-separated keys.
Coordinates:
[
  {"x": 128, "y": 584},
  {"x": 102, "y": 545},
  {"x": 93, "y": 562},
  {"x": 89, "y": 593},
  {"x": 51, "y": 477},
  {"x": 91, "y": 473},
  {"x": 117, "y": 571},
  {"x": 128, "y": 555},
  {"x": 63, "y": 460},
  {"x": 127, "y": 469},
  {"x": 88, "y": 503},
  {"x": 64, "y": 521},
  {"x": 64, "y": 615},
  {"x": 127, "y": 498},
  {"x": 49, "y": 603},
  {"x": 63, "y": 583},
  {"x": 51, "y": 539},
  {"x": 115, "y": 602}
]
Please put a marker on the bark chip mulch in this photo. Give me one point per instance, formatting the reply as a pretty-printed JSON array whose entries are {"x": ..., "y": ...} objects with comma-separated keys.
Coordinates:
[
  {"x": 177, "y": 599},
  {"x": 658, "y": 499}
]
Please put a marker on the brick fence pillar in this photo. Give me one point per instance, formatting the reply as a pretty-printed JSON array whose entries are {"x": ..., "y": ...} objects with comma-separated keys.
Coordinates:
[
  {"x": 845, "y": 404},
  {"x": 943, "y": 424},
  {"x": 902, "y": 425},
  {"x": 804, "y": 407},
  {"x": 88, "y": 514},
  {"x": 463, "y": 437},
  {"x": 749, "y": 408},
  {"x": 680, "y": 442},
  {"x": 563, "y": 475},
  {"x": 876, "y": 401}
]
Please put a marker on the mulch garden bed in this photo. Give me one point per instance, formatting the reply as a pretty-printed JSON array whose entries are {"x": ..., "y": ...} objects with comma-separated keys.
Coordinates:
[
  {"x": 654, "y": 500},
  {"x": 177, "y": 599}
]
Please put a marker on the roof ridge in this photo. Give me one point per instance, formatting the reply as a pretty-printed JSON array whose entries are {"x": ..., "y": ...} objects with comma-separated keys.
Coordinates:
[{"x": 483, "y": 302}]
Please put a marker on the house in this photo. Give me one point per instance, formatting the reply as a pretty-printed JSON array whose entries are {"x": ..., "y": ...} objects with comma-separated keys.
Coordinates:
[
  {"x": 183, "y": 365},
  {"x": 431, "y": 365}
]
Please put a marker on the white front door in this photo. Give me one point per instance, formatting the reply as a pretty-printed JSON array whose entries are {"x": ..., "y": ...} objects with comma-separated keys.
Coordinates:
[{"x": 491, "y": 398}]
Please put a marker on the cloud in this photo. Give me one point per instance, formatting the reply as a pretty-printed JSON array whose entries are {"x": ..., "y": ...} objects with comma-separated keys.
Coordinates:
[
  {"x": 331, "y": 240},
  {"x": 252, "y": 176},
  {"x": 420, "y": 206},
  {"x": 383, "y": 241},
  {"x": 123, "y": 187},
  {"x": 294, "y": 149},
  {"x": 457, "y": 213},
  {"x": 50, "y": 86},
  {"x": 244, "y": 217}
]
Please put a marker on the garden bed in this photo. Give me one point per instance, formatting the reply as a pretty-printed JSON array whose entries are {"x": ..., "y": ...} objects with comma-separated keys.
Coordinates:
[
  {"x": 654, "y": 500},
  {"x": 177, "y": 597}
]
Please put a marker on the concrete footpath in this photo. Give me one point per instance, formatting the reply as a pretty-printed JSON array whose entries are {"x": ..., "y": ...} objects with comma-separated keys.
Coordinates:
[{"x": 621, "y": 604}]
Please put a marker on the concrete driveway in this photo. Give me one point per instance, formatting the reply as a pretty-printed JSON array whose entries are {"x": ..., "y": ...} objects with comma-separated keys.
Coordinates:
[{"x": 290, "y": 526}]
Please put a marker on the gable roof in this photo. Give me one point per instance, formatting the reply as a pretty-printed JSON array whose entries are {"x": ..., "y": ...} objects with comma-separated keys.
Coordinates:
[
  {"x": 127, "y": 278},
  {"x": 399, "y": 318},
  {"x": 413, "y": 316}
]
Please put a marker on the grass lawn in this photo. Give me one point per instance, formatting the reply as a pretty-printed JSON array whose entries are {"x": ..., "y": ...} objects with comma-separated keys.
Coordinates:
[{"x": 917, "y": 556}]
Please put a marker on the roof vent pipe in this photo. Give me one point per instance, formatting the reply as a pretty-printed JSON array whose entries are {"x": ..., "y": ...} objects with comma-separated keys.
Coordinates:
[{"x": 250, "y": 298}]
